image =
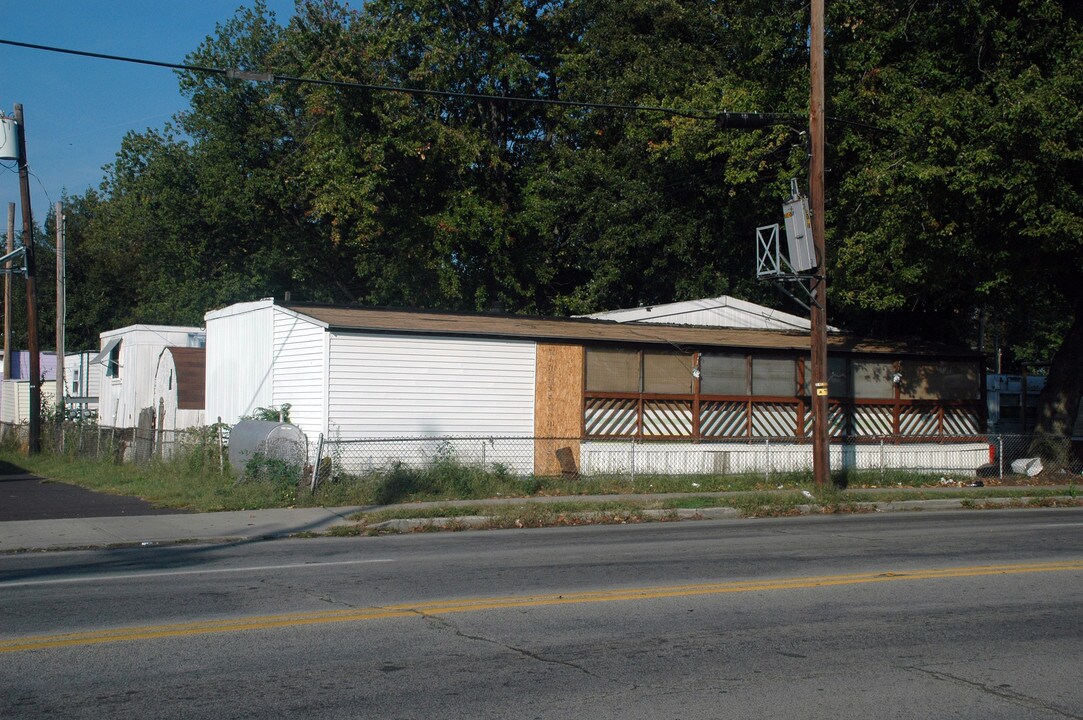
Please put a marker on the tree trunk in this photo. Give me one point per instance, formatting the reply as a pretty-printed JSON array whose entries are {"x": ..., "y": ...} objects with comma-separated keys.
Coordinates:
[{"x": 1058, "y": 404}]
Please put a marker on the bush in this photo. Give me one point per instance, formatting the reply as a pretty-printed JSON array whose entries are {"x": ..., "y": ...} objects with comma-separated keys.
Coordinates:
[{"x": 271, "y": 470}]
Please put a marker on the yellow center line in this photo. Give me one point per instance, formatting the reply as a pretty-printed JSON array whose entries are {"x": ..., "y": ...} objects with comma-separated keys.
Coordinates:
[{"x": 443, "y": 607}]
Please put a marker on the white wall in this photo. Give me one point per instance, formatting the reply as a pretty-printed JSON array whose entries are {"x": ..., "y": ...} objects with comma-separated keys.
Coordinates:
[
  {"x": 299, "y": 362},
  {"x": 770, "y": 456},
  {"x": 15, "y": 400},
  {"x": 387, "y": 385},
  {"x": 239, "y": 374},
  {"x": 82, "y": 378},
  {"x": 121, "y": 398}
]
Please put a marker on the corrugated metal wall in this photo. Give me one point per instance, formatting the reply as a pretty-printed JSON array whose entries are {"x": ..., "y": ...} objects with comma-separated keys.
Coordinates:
[
  {"x": 298, "y": 375},
  {"x": 121, "y": 398},
  {"x": 239, "y": 345},
  {"x": 409, "y": 385}
]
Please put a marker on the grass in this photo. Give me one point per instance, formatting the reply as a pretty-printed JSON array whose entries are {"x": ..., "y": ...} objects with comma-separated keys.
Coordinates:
[{"x": 195, "y": 481}]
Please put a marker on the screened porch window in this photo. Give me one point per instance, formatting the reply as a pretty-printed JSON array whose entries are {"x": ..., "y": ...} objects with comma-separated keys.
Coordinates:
[{"x": 612, "y": 370}]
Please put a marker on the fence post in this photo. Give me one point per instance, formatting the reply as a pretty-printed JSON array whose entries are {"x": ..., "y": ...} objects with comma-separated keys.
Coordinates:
[
  {"x": 1000, "y": 442},
  {"x": 221, "y": 448},
  {"x": 633, "y": 460},
  {"x": 316, "y": 467},
  {"x": 882, "y": 470},
  {"x": 767, "y": 459}
]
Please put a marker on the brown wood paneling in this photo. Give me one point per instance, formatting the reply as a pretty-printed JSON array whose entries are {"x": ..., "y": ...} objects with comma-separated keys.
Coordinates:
[
  {"x": 191, "y": 366},
  {"x": 558, "y": 408}
]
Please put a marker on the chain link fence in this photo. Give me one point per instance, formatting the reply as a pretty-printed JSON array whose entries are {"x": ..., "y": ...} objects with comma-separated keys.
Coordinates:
[
  {"x": 121, "y": 445},
  {"x": 1005, "y": 457},
  {"x": 999, "y": 456}
]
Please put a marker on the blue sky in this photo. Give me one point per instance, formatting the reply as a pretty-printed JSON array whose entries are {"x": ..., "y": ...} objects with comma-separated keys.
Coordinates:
[{"x": 77, "y": 110}]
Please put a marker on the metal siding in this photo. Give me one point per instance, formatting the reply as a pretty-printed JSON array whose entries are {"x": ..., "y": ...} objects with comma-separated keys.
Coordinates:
[
  {"x": 238, "y": 361},
  {"x": 122, "y": 398},
  {"x": 394, "y": 385},
  {"x": 298, "y": 372}
]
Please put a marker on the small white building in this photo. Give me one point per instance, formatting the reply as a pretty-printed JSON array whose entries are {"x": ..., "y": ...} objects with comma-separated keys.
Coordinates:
[
  {"x": 351, "y": 383},
  {"x": 129, "y": 358},
  {"x": 82, "y": 383}
]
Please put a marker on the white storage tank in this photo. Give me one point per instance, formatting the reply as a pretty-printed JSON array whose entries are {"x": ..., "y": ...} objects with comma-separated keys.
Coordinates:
[{"x": 272, "y": 440}]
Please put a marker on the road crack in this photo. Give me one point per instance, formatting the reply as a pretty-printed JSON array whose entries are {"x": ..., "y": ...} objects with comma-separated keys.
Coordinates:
[
  {"x": 1001, "y": 692},
  {"x": 445, "y": 624}
]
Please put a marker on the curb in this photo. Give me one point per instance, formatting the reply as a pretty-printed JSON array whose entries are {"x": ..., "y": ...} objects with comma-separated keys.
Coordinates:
[{"x": 474, "y": 522}]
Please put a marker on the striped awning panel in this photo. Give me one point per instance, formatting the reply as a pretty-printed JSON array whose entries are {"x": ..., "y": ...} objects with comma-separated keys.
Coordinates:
[
  {"x": 872, "y": 420},
  {"x": 915, "y": 421},
  {"x": 667, "y": 418},
  {"x": 962, "y": 421},
  {"x": 838, "y": 417},
  {"x": 774, "y": 419},
  {"x": 723, "y": 419},
  {"x": 610, "y": 417}
]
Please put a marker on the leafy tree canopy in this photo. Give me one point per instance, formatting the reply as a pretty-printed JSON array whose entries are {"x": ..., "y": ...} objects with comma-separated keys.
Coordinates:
[{"x": 954, "y": 201}]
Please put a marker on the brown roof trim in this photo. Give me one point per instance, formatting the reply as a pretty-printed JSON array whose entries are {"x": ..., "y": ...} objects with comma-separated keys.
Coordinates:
[
  {"x": 526, "y": 327},
  {"x": 191, "y": 364}
]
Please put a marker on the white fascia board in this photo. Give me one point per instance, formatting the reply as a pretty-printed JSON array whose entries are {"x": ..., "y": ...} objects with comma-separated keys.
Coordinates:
[
  {"x": 238, "y": 309},
  {"x": 149, "y": 328}
]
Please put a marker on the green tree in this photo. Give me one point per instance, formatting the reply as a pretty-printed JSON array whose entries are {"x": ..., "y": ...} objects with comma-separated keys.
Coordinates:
[{"x": 971, "y": 202}]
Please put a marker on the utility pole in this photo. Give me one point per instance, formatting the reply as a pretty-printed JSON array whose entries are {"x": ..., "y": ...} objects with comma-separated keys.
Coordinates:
[
  {"x": 821, "y": 459},
  {"x": 7, "y": 293},
  {"x": 31, "y": 290},
  {"x": 61, "y": 310}
]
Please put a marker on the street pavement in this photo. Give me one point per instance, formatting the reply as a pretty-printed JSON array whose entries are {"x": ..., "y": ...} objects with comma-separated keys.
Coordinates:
[{"x": 40, "y": 514}]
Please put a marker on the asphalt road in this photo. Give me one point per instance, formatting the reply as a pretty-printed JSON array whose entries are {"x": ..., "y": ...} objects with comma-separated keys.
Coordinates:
[
  {"x": 24, "y": 496},
  {"x": 970, "y": 615}
]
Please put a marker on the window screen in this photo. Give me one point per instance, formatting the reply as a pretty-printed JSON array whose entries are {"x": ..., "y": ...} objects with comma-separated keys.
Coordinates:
[
  {"x": 112, "y": 368},
  {"x": 612, "y": 370},
  {"x": 872, "y": 379},
  {"x": 838, "y": 377},
  {"x": 667, "y": 372},
  {"x": 944, "y": 380},
  {"x": 774, "y": 376},
  {"x": 723, "y": 374}
]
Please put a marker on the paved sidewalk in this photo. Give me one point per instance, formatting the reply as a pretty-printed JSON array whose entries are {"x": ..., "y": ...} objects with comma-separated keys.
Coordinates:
[
  {"x": 25, "y": 535},
  {"x": 154, "y": 529}
]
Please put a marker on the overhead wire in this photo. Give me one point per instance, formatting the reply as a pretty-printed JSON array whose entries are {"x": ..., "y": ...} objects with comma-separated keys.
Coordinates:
[{"x": 747, "y": 120}]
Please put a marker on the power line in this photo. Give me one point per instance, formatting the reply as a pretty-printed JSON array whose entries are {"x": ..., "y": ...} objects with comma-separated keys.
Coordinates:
[{"x": 724, "y": 118}]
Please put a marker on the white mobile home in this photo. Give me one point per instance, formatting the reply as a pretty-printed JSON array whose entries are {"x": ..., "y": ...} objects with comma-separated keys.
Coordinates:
[
  {"x": 348, "y": 383},
  {"x": 82, "y": 383},
  {"x": 129, "y": 358},
  {"x": 683, "y": 390}
]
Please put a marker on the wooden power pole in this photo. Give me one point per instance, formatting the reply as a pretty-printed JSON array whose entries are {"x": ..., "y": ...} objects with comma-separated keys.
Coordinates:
[
  {"x": 31, "y": 290},
  {"x": 7, "y": 294},
  {"x": 61, "y": 309},
  {"x": 821, "y": 459}
]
